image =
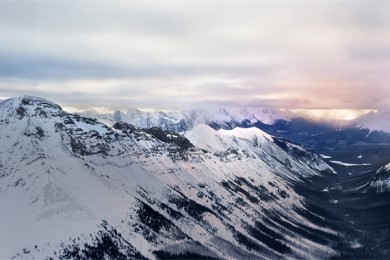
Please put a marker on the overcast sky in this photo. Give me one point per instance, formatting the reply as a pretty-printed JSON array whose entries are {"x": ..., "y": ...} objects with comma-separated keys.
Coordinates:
[{"x": 176, "y": 54}]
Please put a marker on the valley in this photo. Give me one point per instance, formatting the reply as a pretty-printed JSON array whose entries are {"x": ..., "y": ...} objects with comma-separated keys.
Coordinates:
[{"x": 357, "y": 212}]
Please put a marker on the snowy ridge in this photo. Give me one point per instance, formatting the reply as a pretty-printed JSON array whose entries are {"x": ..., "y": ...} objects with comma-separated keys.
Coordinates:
[
  {"x": 374, "y": 121},
  {"x": 226, "y": 115},
  {"x": 205, "y": 137},
  {"x": 186, "y": 120},
  {"x": 262, "y": 144},
  {"x": 148, "y": 192}
]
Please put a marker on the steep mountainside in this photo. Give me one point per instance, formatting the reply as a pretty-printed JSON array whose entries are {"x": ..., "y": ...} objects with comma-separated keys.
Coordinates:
[
  {"x": 72, "y": 187},
  {"x": 380, "y": 181}
]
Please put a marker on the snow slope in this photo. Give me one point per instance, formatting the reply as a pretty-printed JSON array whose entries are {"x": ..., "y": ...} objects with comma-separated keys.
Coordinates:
[
  {"x": 71, "y": 187},
  {"x": 375, "y": 121}
]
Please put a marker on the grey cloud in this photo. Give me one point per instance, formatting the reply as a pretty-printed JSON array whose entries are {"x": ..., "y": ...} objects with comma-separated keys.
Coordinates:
[
  {"x": 319, "y": 54},
  {"x": 378, "y": 54},
  {"x": 49, "y": 68},
  {"x": 86, "y": 16}
]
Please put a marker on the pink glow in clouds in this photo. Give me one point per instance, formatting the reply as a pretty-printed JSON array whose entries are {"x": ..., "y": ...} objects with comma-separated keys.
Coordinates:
[{"x": 175, "y": 54}]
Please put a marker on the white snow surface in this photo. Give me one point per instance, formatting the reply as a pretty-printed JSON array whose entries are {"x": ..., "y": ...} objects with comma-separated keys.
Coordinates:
[
  {"x": 205, "y": 137},
  {"x": 375, "y": 121},
  {"x": 350, "y": 164},
  {"x": 61, "y": 175}
]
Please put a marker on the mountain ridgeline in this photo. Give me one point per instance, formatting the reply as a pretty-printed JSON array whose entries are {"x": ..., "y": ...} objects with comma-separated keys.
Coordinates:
[{"x": 225, "y": 185}]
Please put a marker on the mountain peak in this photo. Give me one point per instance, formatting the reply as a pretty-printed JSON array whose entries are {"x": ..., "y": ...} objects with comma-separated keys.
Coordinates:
[
  {"x": 22, "y": 106},
  {"x": 375, "y": 121}
]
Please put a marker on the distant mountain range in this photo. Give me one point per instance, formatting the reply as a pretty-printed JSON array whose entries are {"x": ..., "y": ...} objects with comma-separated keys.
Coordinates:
[
  {"x": 231, "y": 117},
  {"x": 186, "y": 120}
]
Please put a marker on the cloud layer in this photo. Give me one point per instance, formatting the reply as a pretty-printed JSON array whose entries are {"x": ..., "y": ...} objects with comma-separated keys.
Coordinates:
[{"x": 175, "y": 54}]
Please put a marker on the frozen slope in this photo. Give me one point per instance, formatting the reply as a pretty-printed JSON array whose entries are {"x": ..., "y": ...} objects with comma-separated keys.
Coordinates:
[
  {"x": 256, "y": 143},
  {"x": 72, "y": 187}
]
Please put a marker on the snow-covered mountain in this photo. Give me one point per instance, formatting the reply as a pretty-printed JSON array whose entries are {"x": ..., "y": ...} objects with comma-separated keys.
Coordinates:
[
  {"x": 229, "y": 118},
  {"x": 71, "y": 187},
  {"x": 186, "y": 120},
  {"x": 374, "y": 121}
]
